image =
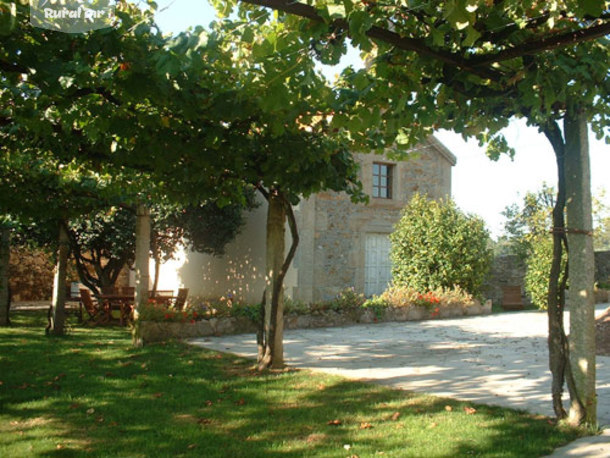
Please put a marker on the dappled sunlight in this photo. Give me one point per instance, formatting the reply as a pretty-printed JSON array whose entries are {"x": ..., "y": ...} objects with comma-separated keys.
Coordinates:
[{"x": 498, "y": 359}]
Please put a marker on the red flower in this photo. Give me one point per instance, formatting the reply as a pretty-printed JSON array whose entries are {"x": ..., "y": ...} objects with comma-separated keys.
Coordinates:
[{"x": 167, "y": 316}]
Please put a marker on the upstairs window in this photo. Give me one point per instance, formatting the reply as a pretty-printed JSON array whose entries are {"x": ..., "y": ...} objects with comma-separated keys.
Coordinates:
[{"x": 382, "y": 180}]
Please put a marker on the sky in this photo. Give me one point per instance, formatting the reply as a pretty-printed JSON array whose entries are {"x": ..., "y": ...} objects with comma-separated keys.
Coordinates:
[{"x": 479, "y": 185}]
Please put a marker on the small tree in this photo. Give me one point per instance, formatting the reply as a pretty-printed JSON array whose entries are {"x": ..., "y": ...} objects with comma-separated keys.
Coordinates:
[
  {"x": 528, "y": 233},
  {"x": 435, "y": 245}
]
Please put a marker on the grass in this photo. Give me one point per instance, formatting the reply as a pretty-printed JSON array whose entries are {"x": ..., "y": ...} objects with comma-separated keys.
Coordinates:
[{"x": 91, "y": 393}]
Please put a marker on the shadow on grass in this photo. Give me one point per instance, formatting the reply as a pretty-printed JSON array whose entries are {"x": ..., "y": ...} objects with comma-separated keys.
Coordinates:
[{"x": 90, "y": 392}]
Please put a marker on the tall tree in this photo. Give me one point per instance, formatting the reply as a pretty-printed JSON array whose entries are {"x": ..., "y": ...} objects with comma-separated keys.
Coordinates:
[
  {"x": 201, "y": 114},
  {"x": 470, "y": 66}
]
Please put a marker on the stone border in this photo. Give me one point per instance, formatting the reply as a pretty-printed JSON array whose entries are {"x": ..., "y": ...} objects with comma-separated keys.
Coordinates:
[{"x": 153, "y": 331}]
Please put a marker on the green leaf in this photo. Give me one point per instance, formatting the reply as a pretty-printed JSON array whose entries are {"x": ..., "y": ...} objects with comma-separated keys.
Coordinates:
[
  {"x": 247, "y": 35},
  {"x": 472, "y": 35},
  {"x": 592, "y": 7}
]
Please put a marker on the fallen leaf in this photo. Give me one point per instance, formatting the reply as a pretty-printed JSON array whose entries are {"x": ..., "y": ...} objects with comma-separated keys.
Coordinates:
[
  {"x": 315, "y": 438},
  {"x": 321, "y": 386},
  {"x": 334, "y": 422},
  {"x": 157, "y": 395},
  {"x": 113, "y": 423},
  {"x": 365, "y": 425},
  {"x": 470, "y": 410},
  {"x": 204, "y": 421},
  {"x": 241, "y": 402},
  {"x": 109, "y": 374},
  {"x": 433, "y": 425},
  {"x": 209, "y": 403},
  {"x": 191, "y": 446},
  {"x": 1, "y": 383},
  {"x": 100, "y": 419},
  {"x": 448, "y": 408},
  {"x": 76, "y": 405},
  {"x": 59, "y": 446},
  {"x": 90, "y": 411},
  {"x": 59, "y": 377},
  {"x": 395, "y": 416}
]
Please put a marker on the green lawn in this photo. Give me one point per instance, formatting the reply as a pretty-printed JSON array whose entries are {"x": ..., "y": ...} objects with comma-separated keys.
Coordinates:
[{"x": 92, "y": 393}]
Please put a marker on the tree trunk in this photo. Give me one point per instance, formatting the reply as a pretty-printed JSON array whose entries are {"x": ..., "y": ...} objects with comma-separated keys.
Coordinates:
[
  {"x": 5, "y": 253},
  {"x": 141, "y": 265},
  {"x": 273, "y": 350},
  {"x": 157, "y": 273},
  {"x": 271, "y": 333},
  {"x": 581, "y": 268},
  {"x": 59, "y": 284},
  {"x": 558, "y": 357}
]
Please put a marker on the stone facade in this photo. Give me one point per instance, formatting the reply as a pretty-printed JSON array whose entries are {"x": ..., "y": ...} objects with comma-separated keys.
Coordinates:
[{"x": 333, "y": 231}]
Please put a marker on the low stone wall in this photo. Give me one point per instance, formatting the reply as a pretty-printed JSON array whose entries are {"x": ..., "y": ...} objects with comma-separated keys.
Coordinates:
[{"x": 152, "y": 331}]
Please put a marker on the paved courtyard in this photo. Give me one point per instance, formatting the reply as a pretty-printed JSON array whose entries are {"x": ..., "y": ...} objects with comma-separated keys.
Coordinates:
[{"x": 499, "y": 359}]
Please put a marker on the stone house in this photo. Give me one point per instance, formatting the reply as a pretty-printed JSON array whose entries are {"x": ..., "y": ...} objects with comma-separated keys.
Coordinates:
[{"x": 342, "y": 244}]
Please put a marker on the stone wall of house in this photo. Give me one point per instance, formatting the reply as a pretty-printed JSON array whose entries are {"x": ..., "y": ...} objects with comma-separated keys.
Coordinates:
[{"x": 333, "y": 230}]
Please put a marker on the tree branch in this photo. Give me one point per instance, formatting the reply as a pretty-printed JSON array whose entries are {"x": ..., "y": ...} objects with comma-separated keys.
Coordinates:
[
  {"x": 478, "y": 65},
  {"x": 384, "y": 35},
  {"x": 544, "y": 44},
  {"x": 11, "y": 67}
]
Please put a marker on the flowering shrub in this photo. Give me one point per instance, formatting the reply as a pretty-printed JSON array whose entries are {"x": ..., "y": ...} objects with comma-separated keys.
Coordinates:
[
  {"x": 347, "y": 300},
  {"x": 158, "y": 311},
  {"x": 403, "y": 296},
  {"x": 225, "y": 306},
  {"x": 427, "y": 300}
]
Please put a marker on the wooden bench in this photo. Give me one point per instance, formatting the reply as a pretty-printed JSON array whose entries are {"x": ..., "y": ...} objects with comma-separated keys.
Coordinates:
[{"x": 511, "y": 298}]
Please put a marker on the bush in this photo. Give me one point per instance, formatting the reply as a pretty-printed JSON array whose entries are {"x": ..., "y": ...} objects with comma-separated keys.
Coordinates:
[
  {"x": 538, "y": 262},
  {"x": 435, "y": 245},
  {"x": 154, "y": 311},
  {"x": 404, "y": 296}
]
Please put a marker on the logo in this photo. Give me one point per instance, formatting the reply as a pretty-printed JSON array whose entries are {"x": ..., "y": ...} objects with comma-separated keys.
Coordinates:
[{"x": 72, "y": 16}]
